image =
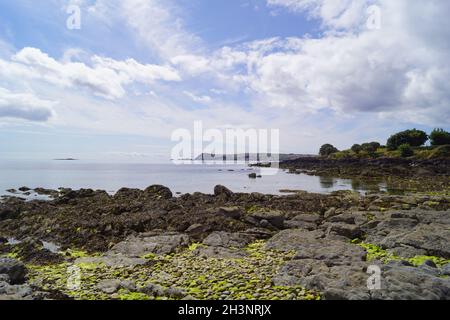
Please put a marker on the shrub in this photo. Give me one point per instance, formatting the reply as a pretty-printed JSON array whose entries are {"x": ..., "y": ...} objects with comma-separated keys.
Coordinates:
[
  {"x": 405, "y": 150},
  {"x": 415, "y": 138},
  {"x": 439, "y": 137},
  {"x": 371, "y": 147},
  {"x": 356, "y": 148},
  {"x": 327, "y": 150}
]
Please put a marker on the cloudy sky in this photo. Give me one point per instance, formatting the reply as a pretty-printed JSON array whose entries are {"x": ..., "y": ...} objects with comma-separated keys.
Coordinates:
[{"x": 320, "y": 71}]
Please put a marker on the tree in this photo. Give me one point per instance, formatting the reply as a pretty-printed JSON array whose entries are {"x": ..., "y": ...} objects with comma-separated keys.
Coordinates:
[
  {"x": 371, "y": 147},
  {"x": 406, "y": 150},
  {"x": 439, "y": 137},
  {"x": 356, "y": 148},
  {"x": 415, "y": 138},
  {"x": 327, "y": 149}
]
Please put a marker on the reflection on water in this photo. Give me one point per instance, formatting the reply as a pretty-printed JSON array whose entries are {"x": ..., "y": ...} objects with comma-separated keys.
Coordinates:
[{"x": 179, "y": 178}]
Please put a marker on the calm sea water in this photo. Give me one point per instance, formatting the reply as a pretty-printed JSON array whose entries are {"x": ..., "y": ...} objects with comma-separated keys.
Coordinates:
[{"x": 179, "y": 178}]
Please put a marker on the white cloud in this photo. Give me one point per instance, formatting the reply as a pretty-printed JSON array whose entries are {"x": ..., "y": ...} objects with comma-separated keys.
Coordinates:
[
  {"x": 105, "y": 77},
  {"x": 24, "y": 106},
  {"x": 197, "y": 98},
  {"x": 158, "y": 24}
]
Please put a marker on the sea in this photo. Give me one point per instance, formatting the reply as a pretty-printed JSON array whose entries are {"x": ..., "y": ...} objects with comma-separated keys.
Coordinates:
[{"x": 180, "y": 178}]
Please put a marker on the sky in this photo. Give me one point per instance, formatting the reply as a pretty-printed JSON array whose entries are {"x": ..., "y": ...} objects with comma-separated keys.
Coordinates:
[{"x": 135, "y": 71}]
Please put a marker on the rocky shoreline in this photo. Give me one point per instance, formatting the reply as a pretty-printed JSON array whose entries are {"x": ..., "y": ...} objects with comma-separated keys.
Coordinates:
[{"x": 148, "y": 244}]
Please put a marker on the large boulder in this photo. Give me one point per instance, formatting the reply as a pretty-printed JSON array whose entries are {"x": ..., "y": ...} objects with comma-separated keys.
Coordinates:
[
  {"x": 161, "y": 192},
  {"x": 221, "y": 191}
]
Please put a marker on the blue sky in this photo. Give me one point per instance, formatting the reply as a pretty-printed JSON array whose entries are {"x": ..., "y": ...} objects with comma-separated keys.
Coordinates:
[{"x": 139, "y": 69}]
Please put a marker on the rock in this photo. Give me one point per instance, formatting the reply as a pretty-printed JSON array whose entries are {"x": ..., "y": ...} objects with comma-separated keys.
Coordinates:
[
  {"x": 114, "y": 260},
  {"x": 15, "y": 292},
  {"x": 264, "y": 223},
  {"x": 329, "y": 213},
  {"x": 275, "y": 218},
  {"x": 109, "y": 286},
  {"x": 160, "y": 191},
  {"x": 230, "y": 212},
  {"x": 24, "y": 189},
  {"x": 310, "y": 218},
  {"x": 128, "y": 285},
  {"x": 430, "y": 263},
  {"x": 158, "y": 244},
  {"x": 175, "y": 293},
  {"x": 4, "y": 278},
  {"x": 343, "y": 218},
  {"x": 228, "y": 240},
  {"x": 196, "y": 228},
  {"x": 446, "y": 270},
  {"x": 433, "y": 238},
  {"x": 252, "y": 175},
  {"x": 220, "y": 252},
  {"x": 294, "y": 224},
  {"x": 153, "y": 289},
  {"x": 8, "y": 213},
  {"x": 221, "y": 191},
  {"x": 349, "y": 231},
  {"x": 15, "y": 270}
]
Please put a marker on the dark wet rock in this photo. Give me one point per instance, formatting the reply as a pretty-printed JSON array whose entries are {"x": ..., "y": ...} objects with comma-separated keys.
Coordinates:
[
  {"x": 127, "y": 193},
  {"x": 47, "y": 192},
  {"x": 14, "y": 269},
  {"x": 275, "y": 218},
  {"x": 33, "y": 252},
  {"x": 430, "y": 263},
  {"x": 8, "y": 212},
  {"x": 230, "y": 212},
  {"x": 161, "y": 192},
  {"x": 197, "y": 228},
  {"x": 349, "y": 231},
  {"x": 264, "y": 223},
  {"x": 145, "y": 244},
  {"x": 221, "y": 191},
  {"x": 252, "y": 175},
  {"x": 13, "y": 191},
  {"x": 24, "y": 189}
]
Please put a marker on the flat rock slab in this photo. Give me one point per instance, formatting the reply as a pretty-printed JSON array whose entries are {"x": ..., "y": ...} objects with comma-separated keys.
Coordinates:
[
  {"x": 160, "y": 244},
  {"x": 229, "y": 240}
]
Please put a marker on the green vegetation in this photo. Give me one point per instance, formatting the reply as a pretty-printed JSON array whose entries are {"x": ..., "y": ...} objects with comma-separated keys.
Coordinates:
[
  {"x": 377, "y": 253},
  {"x": 404, "y": 144},
  {"x": 439, "y": 137},
  {"x": 248, "y": 275},
  {"x": 327, "y": 150},
  {"x": 405, "y": 150},
  {"x": 414, "y": 137}
]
